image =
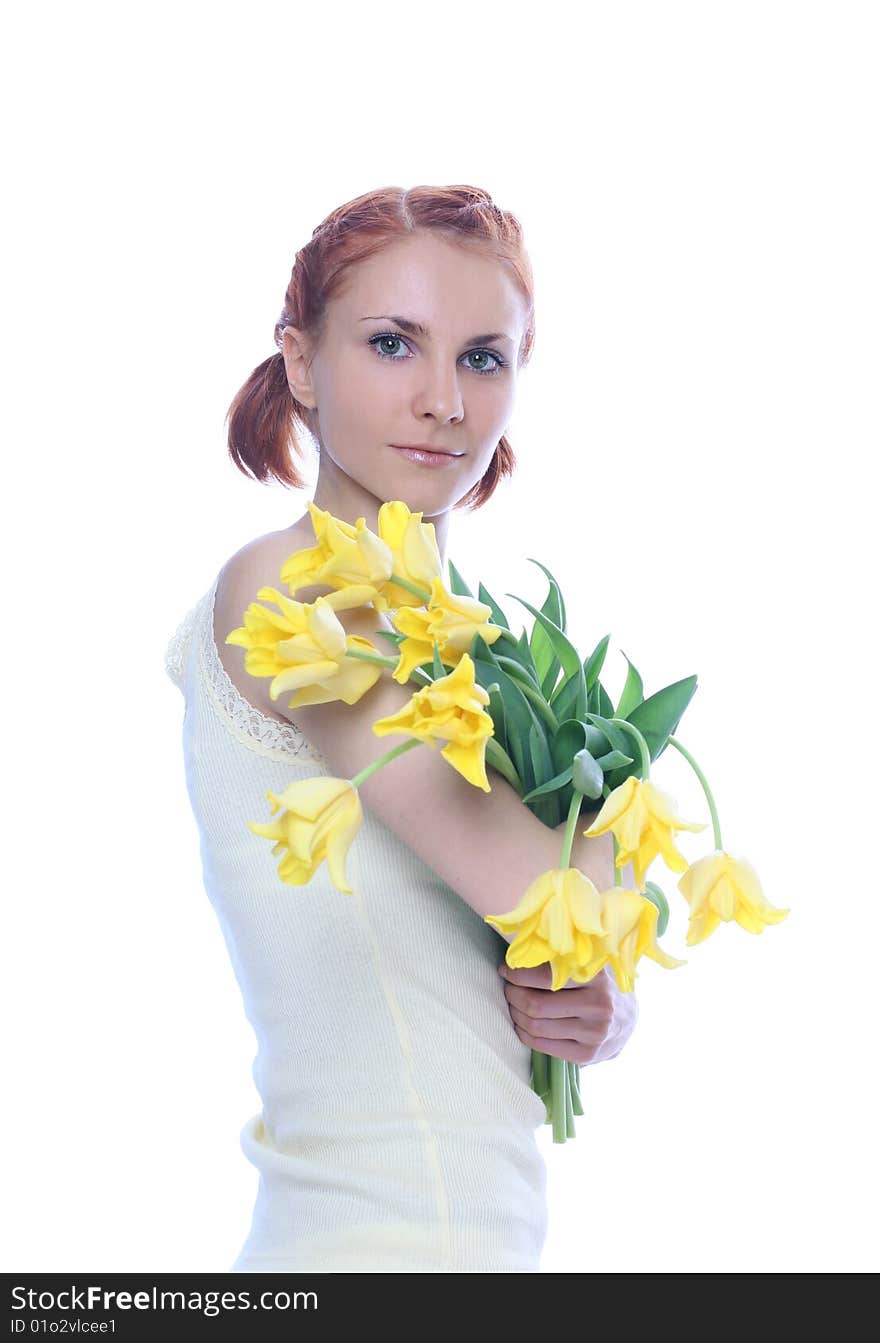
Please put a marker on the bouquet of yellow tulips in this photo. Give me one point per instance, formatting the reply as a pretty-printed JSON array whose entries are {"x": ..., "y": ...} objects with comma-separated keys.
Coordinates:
[{"x": 529, "y": 706}]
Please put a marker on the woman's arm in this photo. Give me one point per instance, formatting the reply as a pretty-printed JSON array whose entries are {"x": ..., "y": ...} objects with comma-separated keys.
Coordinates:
[{"x": 488, "y": 847}]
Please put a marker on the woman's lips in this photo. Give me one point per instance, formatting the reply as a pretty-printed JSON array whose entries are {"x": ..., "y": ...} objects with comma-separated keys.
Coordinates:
[{"x": 425, "y": 458}]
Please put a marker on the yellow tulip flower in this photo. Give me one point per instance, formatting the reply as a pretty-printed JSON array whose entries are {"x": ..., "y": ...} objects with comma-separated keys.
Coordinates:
[
  {"x": 629, "y": 920},
  {"x": 559, "y": 919},
  {"x": 414, "y": 552},
  {"x": 304, "y": 647},
  {"x": 450, "y": 621},
  {"x": 642, "y": 820},
  {"x": 417, "y": 647},
  {"x": 451, "y": 709},
  {"x": 564, "y": 919},
  {"x": 343, "y": 556},
  {"x": 721, "y": 888},
  {"x": 320, "y": 819}
]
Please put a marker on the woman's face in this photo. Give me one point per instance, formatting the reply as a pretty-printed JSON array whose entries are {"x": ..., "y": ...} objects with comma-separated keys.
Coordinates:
[{"x": 376, "y": 386}]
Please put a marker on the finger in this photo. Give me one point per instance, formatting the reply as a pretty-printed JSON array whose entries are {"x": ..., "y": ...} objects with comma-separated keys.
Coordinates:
[
  {"x": 541, "y": 977},
  {"x": 570, "y": 1050},
  {"x": 573, "y": 1029},
  {"x": 581, "y": 1001},
  {"x": 534, "y": 977}
]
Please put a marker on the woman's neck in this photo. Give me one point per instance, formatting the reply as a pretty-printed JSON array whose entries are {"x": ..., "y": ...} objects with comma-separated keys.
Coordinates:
[{"x": 345, "y": 499}]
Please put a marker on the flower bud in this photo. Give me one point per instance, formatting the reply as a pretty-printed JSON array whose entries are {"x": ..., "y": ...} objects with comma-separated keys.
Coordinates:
[{"x": 586, "y": 775}]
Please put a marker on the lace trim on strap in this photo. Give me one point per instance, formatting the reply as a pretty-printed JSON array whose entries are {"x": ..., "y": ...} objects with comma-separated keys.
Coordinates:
[
  {"x": 252, "y": 727},
  {"x": 178, "y": 647}
]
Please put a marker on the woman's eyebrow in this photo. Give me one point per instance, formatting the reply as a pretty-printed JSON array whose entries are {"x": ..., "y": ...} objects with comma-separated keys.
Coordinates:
[{"x": 418, "y": 329}]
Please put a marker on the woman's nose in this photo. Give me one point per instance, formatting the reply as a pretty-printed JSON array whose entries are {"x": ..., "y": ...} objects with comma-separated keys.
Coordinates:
[{"x": 440, "y": 393}]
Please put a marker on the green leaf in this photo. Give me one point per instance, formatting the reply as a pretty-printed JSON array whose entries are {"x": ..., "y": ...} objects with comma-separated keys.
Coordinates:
[
  {"x": 439, "y": 669},
  {"x": 570, "y": 699},
  {"x": 651, "y": 891},
  {"x": 657, "y": 718},
  {"x": 554, "y": 606},
  {"x": 619, "y": 739},
  {"x": 480, "y": 649},
  {"x": 498, "y": 617},
  {"x": 524, "y": 654},
  {"x": 542, "y": 761},
  {"x": 569, "y": 739},
  {"x": 546, "y": 808},
  {"x": 486, "y": 675},
  {"x": 395, "y": 639},
  {"x": 550, "y": 683},
  {"x": 518, "y": 718},
  {"x": 613, "y": 759},
  {"x": 498, "y": 758},
  {"x": 517, "y": 670},
  {"x": 495, "y": 710},
  {"x": 541, "y": 652},
  {"x": 632, "y": 693},
  {"x": 595, "y": 740},
  {"x": 457, "y": 585},
  {"x": 603, "y": 699},
  {"x": 593, "y": 664},
  {"x": 564, "y": 649},
  {"x": 558, "y": 781},
  {"x": 544, "y": 659}
]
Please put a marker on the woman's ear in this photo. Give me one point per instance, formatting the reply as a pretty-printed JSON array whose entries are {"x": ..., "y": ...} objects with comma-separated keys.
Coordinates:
[{"x": 295, "y": 348}]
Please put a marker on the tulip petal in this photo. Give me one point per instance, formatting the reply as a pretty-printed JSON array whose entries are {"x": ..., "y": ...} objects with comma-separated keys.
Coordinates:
[
  {"x": 615, "y": 804},
  {"x": 295, "y": 677}
]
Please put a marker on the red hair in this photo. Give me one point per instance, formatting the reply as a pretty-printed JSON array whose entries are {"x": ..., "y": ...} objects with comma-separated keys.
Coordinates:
[{"x": 265, "y": 419}]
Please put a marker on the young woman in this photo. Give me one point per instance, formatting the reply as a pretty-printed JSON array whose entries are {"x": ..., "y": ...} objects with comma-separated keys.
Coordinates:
[{"x": 398, "y": 1124}]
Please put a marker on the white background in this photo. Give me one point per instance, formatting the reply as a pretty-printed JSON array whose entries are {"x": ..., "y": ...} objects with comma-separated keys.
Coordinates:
[{"x": 697, "y": 436}]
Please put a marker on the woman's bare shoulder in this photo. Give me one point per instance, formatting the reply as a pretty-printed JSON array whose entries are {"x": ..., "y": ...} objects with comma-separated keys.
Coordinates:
[
  {"x": 256, "y": 564},
  {"x": 272, "y": 548}
]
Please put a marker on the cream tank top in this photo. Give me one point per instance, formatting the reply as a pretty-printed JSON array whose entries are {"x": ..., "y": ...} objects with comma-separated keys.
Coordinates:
[{"x": 397, "y": 1129}]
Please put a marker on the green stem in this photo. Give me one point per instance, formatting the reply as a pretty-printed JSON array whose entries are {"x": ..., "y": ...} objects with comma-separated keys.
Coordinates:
[
  {"x": 569, "y": 1107},
  {"x": 389, "y": 662},
  {"x": 411, "y": 587},
  {"x": 557, "y": 1093},
  {"x": 383, "y": 760},
  {"x": 642, "y": 744},
  {"x": 575, "y": 1079},
  {"x": 618, "y": 871},
  {"x": 364, "y": 656},
  {"x": 540, "y": 1072},
  {"x": 561, "y": 1101},
  {"x": 713, "y": 810},
  {"x": 570, "y": 824}
]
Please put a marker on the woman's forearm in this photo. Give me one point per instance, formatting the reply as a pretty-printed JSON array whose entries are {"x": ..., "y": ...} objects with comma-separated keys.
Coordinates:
[{"x": 595, "y": 856}]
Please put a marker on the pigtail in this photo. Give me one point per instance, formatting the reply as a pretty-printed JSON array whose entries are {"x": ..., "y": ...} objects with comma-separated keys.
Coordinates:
[{"x": 264, "y": 420}]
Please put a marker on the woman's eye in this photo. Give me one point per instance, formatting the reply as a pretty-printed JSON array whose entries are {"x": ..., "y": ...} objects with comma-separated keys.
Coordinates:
[
  {"x": 380, "y": 341},
  {"x": 485, "y": 354},
  {"x": 380, "y": 344}
]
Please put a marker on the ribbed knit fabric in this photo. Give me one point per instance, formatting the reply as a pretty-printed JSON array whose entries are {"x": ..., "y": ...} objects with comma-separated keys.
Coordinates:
[{"x": 398, "y": 1125}]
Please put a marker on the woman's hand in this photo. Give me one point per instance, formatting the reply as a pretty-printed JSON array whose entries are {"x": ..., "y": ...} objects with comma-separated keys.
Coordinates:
[{"x": 583, "y": 1023}]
